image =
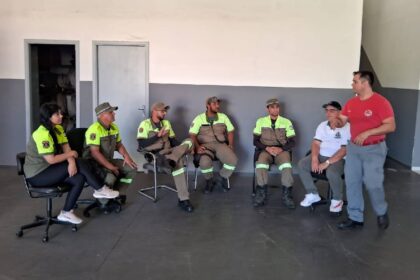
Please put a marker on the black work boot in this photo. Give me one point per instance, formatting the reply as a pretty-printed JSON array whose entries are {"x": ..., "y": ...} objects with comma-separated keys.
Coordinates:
[
  {"x": 287, "y": 198},
  {"x": 209, "y": 186},
  {"x": 383, "y": 221},
  {"x": 186, "y": 205},
  {"x": 222, "y": 183},
  {"x": 260, "y": 197}
]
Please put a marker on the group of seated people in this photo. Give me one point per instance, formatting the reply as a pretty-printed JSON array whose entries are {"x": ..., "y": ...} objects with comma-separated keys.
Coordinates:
[{"x": 50, "y": 160}]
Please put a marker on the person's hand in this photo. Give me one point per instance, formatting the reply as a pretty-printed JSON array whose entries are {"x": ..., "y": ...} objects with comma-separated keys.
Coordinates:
[
  {"x": 114, "y": 169},
  {"x": 270, "y": 150},
  {"x": 323, "y": 166},
  {"x": 361, "y": 138},
  {"x": 162, "y": 132},
  {"x": 336, "y": 123},
  {"x": 72, "y": 168},
  {"x": 130, "y": 162},
  {"x": 315, "y": 165},
  {"x": 72, "y": 154},
  {"x": 201, "y": 149},
  {"x": 277, "y": 150}
]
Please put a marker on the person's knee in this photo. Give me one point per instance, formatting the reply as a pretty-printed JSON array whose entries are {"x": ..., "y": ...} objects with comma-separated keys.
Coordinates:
[
  {"x": 205, "y": 162},
  {"x": 374, "y": 185},
  {"x": 233, "y": 160},
  {"x": 78, "y": 180},
  {"x": 110, "y": 179},
  {"x": 333, "y": 174}
]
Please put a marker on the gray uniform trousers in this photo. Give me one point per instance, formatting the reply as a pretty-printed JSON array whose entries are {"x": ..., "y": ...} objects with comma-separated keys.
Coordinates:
[
  {"x": 177, "y": 154},
  {"x": 283, "y": 163},
  {"x": 333, "y": 172},
  {"x": 126, "y": 172},
  {"x": 365, "y": 164},
  {"x": 226, "y": 156}
]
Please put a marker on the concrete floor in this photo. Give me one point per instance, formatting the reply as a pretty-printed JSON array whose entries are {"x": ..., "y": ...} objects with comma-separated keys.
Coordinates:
[{"x": 225, "y": 238}]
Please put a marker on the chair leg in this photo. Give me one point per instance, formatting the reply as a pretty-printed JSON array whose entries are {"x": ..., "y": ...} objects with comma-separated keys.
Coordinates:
[
  {"x": 91, "y": 206},
  {"x": 47, "y": 221},
  {"x": 253, "y": 183},
  {"x": 195, "y": 178},
  {"x": 155, "y": 186}
]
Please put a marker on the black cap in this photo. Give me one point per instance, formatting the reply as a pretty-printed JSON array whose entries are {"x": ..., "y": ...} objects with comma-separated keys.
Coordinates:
[{"x": 334, "y": 104}]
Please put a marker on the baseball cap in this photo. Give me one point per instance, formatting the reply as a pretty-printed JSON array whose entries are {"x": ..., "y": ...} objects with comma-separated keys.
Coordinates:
[
  {"x": 212, "y": 99},
  {"x": 272, "y": 101},
  {"x": 160, "y": 106},
  {"x": 334, "y": 104},
  {"x": 104, "y": 107}
]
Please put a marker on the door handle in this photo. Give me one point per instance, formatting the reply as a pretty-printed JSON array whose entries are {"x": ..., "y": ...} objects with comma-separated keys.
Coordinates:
[{"x": 143, "y": 109}]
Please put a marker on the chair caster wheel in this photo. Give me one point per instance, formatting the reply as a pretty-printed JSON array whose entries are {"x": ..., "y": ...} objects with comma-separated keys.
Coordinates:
[
  {"x": 106, "y": 212},
  {"x": 74, "y": 229},
  {"x": 117, "y": 209},
  {"x": 45, "y": 239},
  {"x": 123, "y": 198},
  {"x": 19, "y": 233}
]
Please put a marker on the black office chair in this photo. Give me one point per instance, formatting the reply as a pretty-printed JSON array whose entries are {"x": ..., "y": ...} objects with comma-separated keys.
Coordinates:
[
  {"x": 196, "y": 162},
  {"x": 47, "y": 192},
  {"x": 76, "y": 138}
]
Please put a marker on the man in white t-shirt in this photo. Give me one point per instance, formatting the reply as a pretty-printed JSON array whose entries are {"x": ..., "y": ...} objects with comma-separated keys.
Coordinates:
[{"x": 328, "y": 150}]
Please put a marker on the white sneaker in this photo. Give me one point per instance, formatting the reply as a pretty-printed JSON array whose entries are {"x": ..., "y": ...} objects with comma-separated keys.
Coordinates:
[
  {"x": 69, "y": 216},
  {"x": 309, "y": 199},
  {"x": 105, "y": 192},
  {"x": 336, "y": 206}
]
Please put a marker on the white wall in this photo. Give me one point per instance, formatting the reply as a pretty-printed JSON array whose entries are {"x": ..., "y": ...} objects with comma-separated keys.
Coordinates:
[
  {"x": 391, "y": 39},
  {"x": 282, "y": 43}
]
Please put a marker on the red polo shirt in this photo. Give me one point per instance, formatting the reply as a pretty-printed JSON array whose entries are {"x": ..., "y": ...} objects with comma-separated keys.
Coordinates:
[{"x": 367, "y": 114}]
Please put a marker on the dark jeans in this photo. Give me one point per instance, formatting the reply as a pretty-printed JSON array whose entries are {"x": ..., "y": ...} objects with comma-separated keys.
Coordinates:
[{"x": 58, "y": 173}]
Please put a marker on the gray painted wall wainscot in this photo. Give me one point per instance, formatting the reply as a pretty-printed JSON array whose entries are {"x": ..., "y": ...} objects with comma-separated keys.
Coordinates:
[{"x": 303, "y": 106}]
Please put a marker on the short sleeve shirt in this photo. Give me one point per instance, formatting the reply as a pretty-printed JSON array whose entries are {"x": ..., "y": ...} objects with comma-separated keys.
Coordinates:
[
  {"x": 210, "y": 131},
  {"x": 331, "y": 139},
  {"x": 367, "y": 114},
  {"x": 40, "y": 144},
  {"x": 147, "y": 129},
  {"x": 274, "y": 134},
  {"x": 201, "y": 120},
  {"x": 104, "y": 138}
]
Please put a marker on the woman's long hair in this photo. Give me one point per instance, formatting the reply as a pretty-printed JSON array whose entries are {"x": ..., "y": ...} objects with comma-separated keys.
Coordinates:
[{"x": 46, "y": 111}]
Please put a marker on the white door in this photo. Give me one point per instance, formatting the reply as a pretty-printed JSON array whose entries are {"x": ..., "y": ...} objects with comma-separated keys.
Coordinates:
[{"x": 122, "y": 80}]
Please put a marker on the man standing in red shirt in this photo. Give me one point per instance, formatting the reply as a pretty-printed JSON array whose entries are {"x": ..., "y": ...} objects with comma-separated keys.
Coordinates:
[{"x": 371, "y": 118}]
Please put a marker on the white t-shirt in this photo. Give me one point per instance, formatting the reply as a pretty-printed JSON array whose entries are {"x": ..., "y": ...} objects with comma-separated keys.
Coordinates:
[{"x": 331, "y": 139}]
